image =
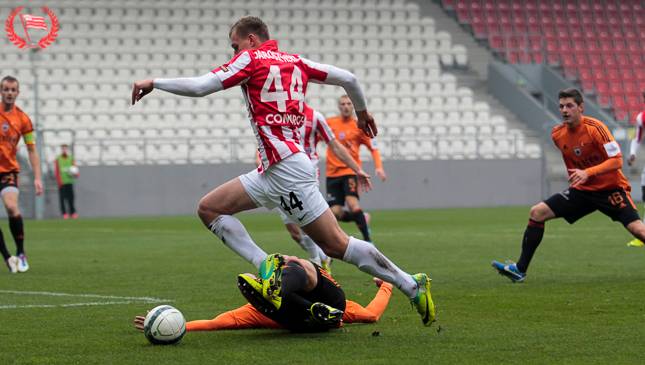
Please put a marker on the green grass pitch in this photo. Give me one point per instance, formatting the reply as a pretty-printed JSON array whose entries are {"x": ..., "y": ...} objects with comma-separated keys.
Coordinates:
[{"x": 583, "y": 301}]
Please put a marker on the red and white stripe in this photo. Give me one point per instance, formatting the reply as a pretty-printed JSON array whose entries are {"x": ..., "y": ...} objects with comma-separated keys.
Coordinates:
[
  {"x": 34, "y": 22},
  {"x": 314, "y": 130},
  {"x": 276, "y": 124}
]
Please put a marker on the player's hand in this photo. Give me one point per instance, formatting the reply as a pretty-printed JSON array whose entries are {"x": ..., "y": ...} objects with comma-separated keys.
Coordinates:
[
  {"x": 577, "y": 177},
  {"x": 140, "y": 89},
  {"x": 38, "y": 186},
  {"x": 381, "y": 174},
  {"x": 366, "y": 123},
  {"x": 631, "y": 159},
  {"x": 364, "y": 182},
  {"x": 138, "y": 322}
]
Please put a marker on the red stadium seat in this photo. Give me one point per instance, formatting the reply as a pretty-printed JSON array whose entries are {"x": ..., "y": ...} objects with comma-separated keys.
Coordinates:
[
  {"x": 613, "y": 75},
  {"x": 621, "y": 114},
  {"x": 602, "y": 87},
  {"x": 603, "y": 100}
]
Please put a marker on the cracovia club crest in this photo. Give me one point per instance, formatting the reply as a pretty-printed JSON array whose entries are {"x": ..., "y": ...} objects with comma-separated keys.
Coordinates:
[{"x": 33, "y": 23}]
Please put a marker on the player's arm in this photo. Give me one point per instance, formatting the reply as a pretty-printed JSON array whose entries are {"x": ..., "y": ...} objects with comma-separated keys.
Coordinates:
[
  {"x": 59, "y": 179},
  {"x": 233, "y": 73},
  {"x": 614, "y": 160},
  {"x": 376, "y": 156},
  {"x": 185, "y": 86},
  {"x": 636, "y": 142},
  {"x": 332, "y": 75},
  {"x": 34, "y": 160}
]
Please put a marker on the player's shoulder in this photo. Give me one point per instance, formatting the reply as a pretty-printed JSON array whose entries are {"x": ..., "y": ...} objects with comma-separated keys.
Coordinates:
[
  {"x": 558, "y": 130},
  {"x": 21, "y": 113},
  {"x": 333, "y": 119},
  {"x": 592, "y": 122}
]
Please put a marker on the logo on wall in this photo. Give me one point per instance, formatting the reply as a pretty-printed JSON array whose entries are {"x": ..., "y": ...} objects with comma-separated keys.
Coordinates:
[{"x": 33, "y": 22}]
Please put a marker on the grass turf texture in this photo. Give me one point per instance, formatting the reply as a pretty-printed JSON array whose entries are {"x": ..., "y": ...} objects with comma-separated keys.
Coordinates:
[{"x": 583, "y": 301}]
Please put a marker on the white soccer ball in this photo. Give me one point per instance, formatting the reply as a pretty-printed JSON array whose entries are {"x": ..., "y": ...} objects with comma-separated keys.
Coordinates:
[
  {"x": 164, "y": 325},
  {"x": 73, "y": 170}
]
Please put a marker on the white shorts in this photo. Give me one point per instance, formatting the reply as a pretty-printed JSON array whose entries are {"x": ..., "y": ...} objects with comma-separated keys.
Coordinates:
[{"x": 291, "y": 186}]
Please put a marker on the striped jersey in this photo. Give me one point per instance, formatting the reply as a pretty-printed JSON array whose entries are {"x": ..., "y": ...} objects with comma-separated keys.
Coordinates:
[
  {"x": 314, "y": 130},
  {"x": 274, "y": 85}
]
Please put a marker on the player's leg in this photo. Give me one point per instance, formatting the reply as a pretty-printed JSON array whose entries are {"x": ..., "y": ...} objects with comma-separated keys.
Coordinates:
[
  {"x": 326, "y": 232},
  {"x": 72, "y": 207},
  {"x": 356, "y": 313},
  {"x": 336, "y": 196},
  {"x": 10, "y": 200},
  {"x": 358, "y": 216},
  {"x": 244, "y": 317},
  {"x": 305, "y": 242},
  {"x": 61, "y": 200},
  {"x": 570, "y": 204},
  {"x": 619, "y": 206},
  {"x": 216, "y": 211}
]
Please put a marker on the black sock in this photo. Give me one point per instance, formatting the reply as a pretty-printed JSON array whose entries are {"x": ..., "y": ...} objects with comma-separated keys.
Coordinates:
[
  {"x": 643, "y": 193},
  {"x": 532, "y": 238},
  {"x": 359, "y": 218},
  {"x": 18, "y": 233},
  {"x": 346, "y": 216},
  {"x": 3, "y": 247}
]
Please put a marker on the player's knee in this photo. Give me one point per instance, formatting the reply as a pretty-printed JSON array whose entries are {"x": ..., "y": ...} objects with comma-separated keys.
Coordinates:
[
  {"x": 538, "y": 213},
  {"x": 13, "y": 211},
  {"x": 294, "y": 233},
  {"x": 336, "y": 246},
  {"x": 206, "y": 212}
]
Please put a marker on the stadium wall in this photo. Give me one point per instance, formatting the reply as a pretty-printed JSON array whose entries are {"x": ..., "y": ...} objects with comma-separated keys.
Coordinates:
[{"x": 107, "y": 191}]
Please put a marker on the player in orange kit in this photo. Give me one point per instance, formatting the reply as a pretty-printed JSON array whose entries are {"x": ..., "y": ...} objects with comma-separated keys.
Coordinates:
[
  {"x": 593, "y": 160},
  {"x": 14, "y": 124},
  {"x": 342, "y": 183},
  {"x": 248, "y": 317}
]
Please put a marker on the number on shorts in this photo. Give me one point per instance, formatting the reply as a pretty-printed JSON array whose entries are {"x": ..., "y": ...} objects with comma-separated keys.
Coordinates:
[
  {"x": 616, "y": 199},
  {"x": 294, "y": 203}
]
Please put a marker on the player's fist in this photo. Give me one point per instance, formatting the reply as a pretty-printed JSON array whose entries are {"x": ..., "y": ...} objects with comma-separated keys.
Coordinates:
[
  {"x": 140, "y": 89},
  {"x": 366, "y": 123},
  {"x": 631, "y": 159},
  {"x": 38, "y": 186}
]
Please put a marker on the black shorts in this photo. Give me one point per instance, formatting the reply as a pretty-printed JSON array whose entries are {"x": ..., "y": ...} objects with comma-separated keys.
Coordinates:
[
  {"x": 573, "y": 204},
  {"x": 8, "y": 179},
  {"x": 340, "y": 187}
]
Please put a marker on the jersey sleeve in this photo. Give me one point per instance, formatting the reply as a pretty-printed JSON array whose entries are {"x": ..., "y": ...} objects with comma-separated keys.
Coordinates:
[
  {"x": 27, "y": 130},
  {"x": 236, "y": 71},
  {"x": 317, "y": 72},
  {"x": 638, "y": 137},
  {"x": 322, "y": 128},
  {"x": 604, "y": 138}
]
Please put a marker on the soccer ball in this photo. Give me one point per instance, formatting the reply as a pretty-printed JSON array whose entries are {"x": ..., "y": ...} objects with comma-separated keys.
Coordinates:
[
  {"x": 73, "y": 170},
  {"x": 164, "y": 325}
]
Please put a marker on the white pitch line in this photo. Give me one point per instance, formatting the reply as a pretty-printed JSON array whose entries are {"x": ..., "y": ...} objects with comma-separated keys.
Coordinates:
[
  {"x": 98, "y": 296},
  {"x": 88, "y": 304}
]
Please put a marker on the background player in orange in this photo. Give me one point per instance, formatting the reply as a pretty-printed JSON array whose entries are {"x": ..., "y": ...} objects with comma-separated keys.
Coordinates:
[
  {"x": 593, "y": 160},
  {"x": 342, "y": 186},
  {"x": 14, "y": 123},
  {"x": 633, "y": 150}
]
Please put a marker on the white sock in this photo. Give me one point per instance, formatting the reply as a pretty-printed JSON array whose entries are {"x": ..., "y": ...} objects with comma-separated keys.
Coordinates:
[
  {"x": 312, "y": 249},
  {"x": 231, "y": 231},
  {"x": 370, "y": 260}
]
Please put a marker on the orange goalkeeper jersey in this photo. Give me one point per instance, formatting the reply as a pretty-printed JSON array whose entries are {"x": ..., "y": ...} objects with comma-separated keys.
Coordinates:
[
  {"x": 350, "y": 136},
  {"x": 587, "y": 145},
  {"x": 13, "y": 124}
]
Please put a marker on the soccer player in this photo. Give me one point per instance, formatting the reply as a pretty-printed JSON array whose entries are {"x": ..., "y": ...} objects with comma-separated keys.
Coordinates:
[
  {"x": 342, "y": 187},
  {"x": 596, "y": 182},
  {"x": 274, "y": 84},
  {"x": 14, "y": 123},
  {"x": 315, "y": 129},
  {"x": 249, "y": 317},
  {"x": 633, "y": 150},
  {"x": 65, "y": 180}
]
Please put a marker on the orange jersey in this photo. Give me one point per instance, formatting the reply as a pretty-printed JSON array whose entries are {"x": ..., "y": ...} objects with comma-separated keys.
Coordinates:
[
  {"x": 13, "y": 124},
  {"x": 350, "y": 136},
  {"x": 588, "y": 145}
]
